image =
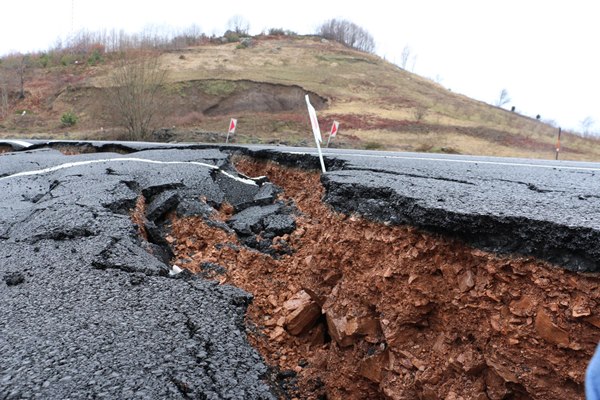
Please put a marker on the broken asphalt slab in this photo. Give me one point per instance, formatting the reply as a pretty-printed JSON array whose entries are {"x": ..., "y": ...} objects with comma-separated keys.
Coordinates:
[{"x": 86, "y": 311}]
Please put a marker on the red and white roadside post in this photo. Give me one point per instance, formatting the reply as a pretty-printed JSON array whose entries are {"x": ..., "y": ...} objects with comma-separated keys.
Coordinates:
[
  {"x": 334, "y": 130},
  {"x": 231, "y": 131}
]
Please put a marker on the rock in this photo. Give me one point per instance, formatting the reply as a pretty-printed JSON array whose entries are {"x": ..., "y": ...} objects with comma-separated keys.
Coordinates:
[
  {"x": 296, "y": 300},
  {"x": 162, "y": 204},
  {"x": 246, "y": 42},
  {"x": 250, "y": 220},
  {"x": 277, "y": 332},
  {"x": 524, "y": 307},
  {"x": 368, "y": 326},
  {"x": 466, "y": 281},
  {"x": 594, "y": 320},
  {"x": 549, "y": 331},
  {"x": 581, "y": 311},
  {"x": 266, "y": 194},
  {"x": 279, "y": 225},
  {"x": 344, "y": 330},
  {"x": 13, "y": 278},
  {"x": 580, "y": 307},
  {"x": 320, "y": 300},
  {"x": 470, "y": 362},
  {"x": 372, "y": 367},
  {"x": 303, "y": 319},
  {"x": 338, "y": 329},
  {"x": 305, "y": 313}
]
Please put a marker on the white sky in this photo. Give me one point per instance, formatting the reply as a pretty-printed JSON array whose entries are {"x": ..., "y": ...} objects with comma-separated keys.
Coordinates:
[{"x": 543, "y": 52}]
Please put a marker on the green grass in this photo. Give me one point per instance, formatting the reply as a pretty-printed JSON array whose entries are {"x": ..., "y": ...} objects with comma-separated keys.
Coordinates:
[{"x": 218, "y": 87}]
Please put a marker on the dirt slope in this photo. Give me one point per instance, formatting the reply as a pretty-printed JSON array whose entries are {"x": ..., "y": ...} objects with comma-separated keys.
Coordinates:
[{"x": 361, "y": 310}]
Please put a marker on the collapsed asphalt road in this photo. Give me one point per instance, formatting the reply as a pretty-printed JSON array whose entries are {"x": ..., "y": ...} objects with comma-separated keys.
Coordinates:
[
  {"x": 548, "y": 209},
  {"x": 88, "y": 309}
]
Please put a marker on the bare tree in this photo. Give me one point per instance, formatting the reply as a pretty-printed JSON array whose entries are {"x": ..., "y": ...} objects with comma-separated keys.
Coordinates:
[
  {"x": 21, "y": 73},
  {"x": 239, "y": 25},
  {"x": 347, "y": 33},
  {"x": 3, "y": 98},
  {"x": 134, "y": 98},
  {"x": 586, "y": 125},
  {"x": 405, "y": 56},
  {"x": 503, "y": 99},
  {"x": 413, "y": 63},
  {"x": 4, "y": 82}
]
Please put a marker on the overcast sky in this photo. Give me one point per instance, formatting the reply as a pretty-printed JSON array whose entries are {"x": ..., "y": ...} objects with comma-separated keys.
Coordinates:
[{"x": 544, "y": 53}]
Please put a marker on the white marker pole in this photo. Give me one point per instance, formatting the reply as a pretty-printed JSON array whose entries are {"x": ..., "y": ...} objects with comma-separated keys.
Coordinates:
[{"x": 314, "y": 122}]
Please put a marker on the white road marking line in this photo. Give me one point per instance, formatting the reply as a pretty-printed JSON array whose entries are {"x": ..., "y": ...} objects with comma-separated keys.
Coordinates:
[
  {"x": 143, "y": 160},
  {"x": 456, "y": 161},
  {"x": 17, "y": 142}
]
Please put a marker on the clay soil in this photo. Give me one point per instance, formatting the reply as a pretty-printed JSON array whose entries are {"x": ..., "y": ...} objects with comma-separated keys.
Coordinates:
[{"x": 360, "y": 310}]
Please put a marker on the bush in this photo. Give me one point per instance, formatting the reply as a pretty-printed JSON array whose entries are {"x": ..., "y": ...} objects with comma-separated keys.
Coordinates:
[
  {"x": 67, "y": 59},
  {"x": 281, "y": 32},
  {"x": 95, "y": 58},
  {"x": 373, "y": 146},
  {"x": 232, "y": 36},
  {"x": 68, "y": 119},
  {"x": 44, "y": 60}
]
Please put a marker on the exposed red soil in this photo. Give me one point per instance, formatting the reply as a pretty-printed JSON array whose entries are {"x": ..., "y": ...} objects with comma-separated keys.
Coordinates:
[
  {"x": 138, "y": 216},
  {"x": 391, "y": 312}
]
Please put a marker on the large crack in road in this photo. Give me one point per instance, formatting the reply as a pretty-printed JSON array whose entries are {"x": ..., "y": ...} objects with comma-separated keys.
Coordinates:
[{"x": 92, "y": 305}]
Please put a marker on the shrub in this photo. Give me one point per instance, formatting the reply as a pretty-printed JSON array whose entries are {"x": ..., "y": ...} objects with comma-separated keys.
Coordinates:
[
  {"x": 68, "y": 119},
  {"x": 95, "y": 58},
  {"x": 373, "y": 146},
  {"x": 232, "y": 36},
  {"x": 67, "y": 59},
  {"x": 44, "y": 60}
]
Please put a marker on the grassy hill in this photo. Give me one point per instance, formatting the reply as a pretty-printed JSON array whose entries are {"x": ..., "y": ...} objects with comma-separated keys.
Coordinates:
[{"x": 378, "y": 105}]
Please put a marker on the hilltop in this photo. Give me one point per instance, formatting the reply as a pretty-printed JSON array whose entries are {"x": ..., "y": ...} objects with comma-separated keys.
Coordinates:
[{"x": 262, "y": 84}]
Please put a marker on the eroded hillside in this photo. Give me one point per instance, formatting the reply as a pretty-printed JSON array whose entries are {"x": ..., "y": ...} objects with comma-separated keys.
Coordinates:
[{"x": 379, "y": 105}]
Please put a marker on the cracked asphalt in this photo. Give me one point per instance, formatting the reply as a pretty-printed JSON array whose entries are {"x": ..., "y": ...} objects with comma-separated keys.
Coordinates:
[
  {"x": 88, "y": 308},
  {"x": 548, "y": 209}
]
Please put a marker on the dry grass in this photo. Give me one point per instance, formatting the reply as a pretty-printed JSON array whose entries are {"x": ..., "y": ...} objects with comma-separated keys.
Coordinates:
[{"x": 355, "y": 84}]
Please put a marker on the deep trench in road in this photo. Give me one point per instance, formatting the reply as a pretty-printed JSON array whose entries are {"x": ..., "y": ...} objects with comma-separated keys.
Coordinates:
[
  {"x": 346, "y": 308},
  {"x": 339, "y": 306}
]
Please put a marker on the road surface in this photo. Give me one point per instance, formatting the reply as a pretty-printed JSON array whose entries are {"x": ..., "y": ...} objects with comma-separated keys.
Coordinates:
[{"x": 88, "y": 307}]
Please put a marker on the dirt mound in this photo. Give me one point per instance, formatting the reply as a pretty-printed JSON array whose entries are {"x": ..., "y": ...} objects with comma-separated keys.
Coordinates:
[
  {"x": 251, "y": 96},
  {"x": 362, "y": 310}
]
